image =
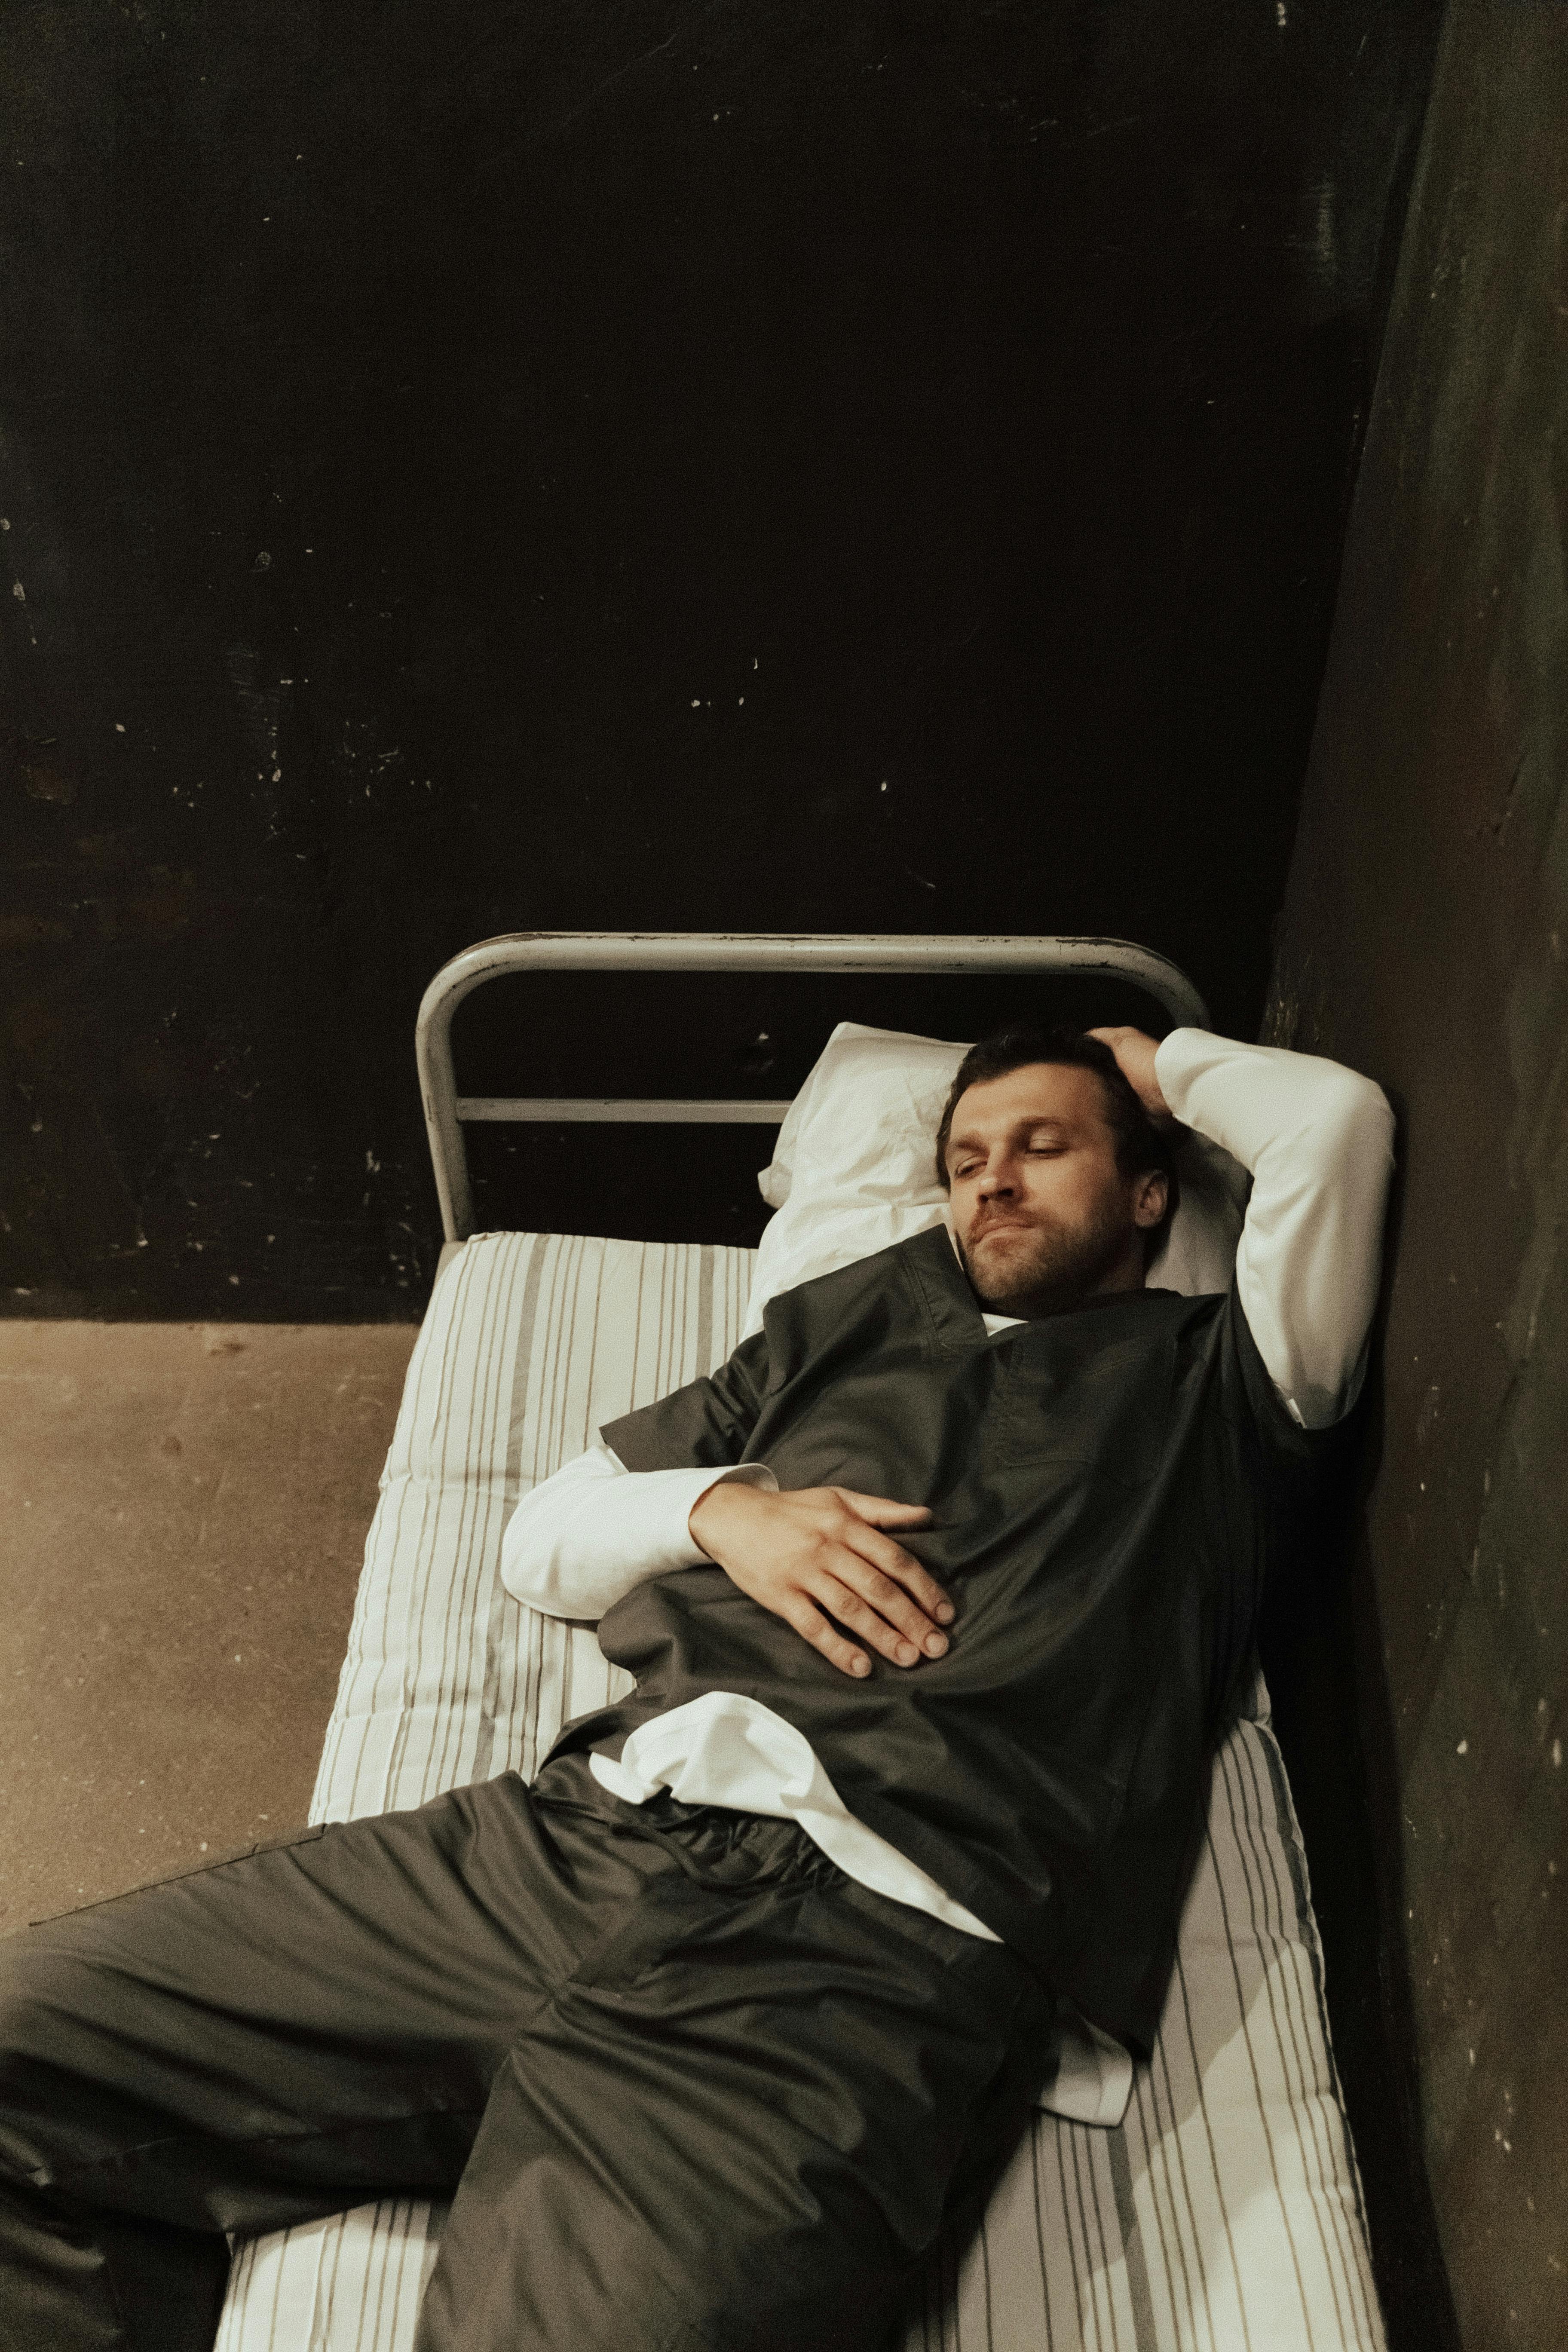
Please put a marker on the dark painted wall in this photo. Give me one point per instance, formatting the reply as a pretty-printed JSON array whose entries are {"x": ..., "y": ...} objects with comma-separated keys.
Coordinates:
[
  {"x": 1425, "y": 940},
  {"x": 655, "y": 464}
]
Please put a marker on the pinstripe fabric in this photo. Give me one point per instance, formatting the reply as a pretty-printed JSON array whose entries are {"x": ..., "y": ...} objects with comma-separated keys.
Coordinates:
[
  {"x": 1224, "y": 2214},
  {"x": 354, "y": 2281}
]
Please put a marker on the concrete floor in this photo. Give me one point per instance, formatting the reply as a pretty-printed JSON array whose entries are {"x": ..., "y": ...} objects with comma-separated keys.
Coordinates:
[{"x": 183, "y": 1513}]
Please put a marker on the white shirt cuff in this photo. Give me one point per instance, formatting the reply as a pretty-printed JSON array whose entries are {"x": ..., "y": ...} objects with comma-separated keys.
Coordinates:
[{"x": 589, "y": 1535}]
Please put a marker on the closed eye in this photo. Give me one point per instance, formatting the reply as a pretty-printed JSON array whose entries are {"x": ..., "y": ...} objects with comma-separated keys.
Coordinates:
[{"x": 966, "y": 1168}]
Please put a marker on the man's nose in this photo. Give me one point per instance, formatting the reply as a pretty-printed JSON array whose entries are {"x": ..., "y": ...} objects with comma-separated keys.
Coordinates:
[{"x": 998, "y": 1177}]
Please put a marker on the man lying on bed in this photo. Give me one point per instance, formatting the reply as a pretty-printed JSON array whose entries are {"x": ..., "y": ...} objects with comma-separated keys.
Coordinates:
[{"x": 938, "y": 1595}]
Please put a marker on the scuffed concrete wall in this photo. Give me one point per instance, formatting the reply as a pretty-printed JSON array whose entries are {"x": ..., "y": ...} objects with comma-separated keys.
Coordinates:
[{"x": 1425, "y": 939}]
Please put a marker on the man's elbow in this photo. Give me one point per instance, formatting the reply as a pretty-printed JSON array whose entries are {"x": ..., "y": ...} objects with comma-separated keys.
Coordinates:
[
  {"x": 527, "y": 1562},
  {"x": 1353, "y": 1122},
  {"x": 535, "y": 1581}
]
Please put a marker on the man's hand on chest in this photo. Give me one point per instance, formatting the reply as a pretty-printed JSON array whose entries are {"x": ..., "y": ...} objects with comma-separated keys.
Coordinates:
[{"x": 820, "y": 1557}]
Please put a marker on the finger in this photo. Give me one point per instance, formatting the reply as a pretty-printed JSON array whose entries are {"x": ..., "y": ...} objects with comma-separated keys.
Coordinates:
[
  {"x": 877, "y": 1511},
  {"x": 814, "y": 1627},
  {"x": 885, "y": 1583},
  {"x": 881, "y": 1511},
  {"x": 891, "y": 1560},
  {"x": 849, "y": 1609},
  {"x": 911, "y": 1631}
]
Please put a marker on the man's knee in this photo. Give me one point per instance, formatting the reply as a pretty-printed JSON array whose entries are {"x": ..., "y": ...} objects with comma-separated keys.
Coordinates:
[
  {"x": 28, "y": 1984},
  {"x": 34, "y": 2027},
  {"x": 66, "y": 2007}
]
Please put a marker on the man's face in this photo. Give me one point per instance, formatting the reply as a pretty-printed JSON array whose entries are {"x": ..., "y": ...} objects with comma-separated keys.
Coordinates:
[{"x": 1043, "y": 1214}]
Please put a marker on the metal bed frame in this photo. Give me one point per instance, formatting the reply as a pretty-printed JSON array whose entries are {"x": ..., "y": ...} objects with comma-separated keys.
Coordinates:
[{"x": 446, "y": 1112}]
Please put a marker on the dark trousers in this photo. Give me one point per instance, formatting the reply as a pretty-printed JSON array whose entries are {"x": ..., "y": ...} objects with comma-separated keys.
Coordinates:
[{"x": 689, "y": 2085}]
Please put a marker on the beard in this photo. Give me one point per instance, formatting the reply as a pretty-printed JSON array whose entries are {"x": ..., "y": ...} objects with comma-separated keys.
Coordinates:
[{"x": 1040, "y": 1265}]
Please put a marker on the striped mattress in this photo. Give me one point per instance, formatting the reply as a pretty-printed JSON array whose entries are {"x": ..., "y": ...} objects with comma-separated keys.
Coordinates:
[{"x": 1223, "y": 2215}]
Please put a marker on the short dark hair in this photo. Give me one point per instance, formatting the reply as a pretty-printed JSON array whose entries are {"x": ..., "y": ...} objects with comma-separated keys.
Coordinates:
[{"x": 1140, "y": 1146}]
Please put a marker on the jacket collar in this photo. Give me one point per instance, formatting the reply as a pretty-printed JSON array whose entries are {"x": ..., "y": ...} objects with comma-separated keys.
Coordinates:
[
  {"x": 952, "y": 1316},
  {"x": 949, "y": 1308}
]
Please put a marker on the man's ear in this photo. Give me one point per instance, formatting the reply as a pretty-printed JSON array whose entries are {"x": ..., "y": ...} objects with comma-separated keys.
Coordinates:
[{"x": 1153, "y": 1192}]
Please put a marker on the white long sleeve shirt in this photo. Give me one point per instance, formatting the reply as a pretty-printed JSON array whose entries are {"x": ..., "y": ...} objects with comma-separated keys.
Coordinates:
[{"x": 1317, "y": 1140}]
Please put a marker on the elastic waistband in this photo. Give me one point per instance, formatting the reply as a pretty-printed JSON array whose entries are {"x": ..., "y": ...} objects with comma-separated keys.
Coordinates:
[{"x": 717, "y": 1846}]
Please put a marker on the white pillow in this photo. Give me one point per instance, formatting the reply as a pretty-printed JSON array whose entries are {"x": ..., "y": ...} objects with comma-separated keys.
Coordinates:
[{"x": 854, "y": 1170}]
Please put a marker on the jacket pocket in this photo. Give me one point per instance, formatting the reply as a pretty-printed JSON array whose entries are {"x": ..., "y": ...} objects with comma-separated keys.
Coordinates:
[{"x": 1100, "y": 1404}]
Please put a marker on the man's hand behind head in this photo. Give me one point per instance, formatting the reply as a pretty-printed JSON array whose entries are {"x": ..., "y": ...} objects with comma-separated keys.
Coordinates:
[
  {"x": 820, "y": 1554},
  {"x": 1135, "y": 1050}
]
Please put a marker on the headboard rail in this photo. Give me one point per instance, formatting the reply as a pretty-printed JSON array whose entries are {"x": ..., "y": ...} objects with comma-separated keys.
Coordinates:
[{"x": 446, "y": 1112}]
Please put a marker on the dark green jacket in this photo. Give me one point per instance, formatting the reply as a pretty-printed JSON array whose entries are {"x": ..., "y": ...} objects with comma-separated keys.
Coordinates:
[{"x": 1109, "y": 1485}]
